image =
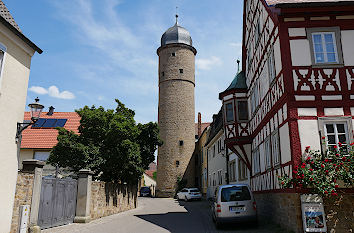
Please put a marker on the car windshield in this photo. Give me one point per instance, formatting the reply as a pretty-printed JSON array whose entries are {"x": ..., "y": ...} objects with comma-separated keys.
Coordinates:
[
  {"x": 144, "y": 189},
  {"x": 235, "y": 193},
  {"x": 194, "y": 190}
]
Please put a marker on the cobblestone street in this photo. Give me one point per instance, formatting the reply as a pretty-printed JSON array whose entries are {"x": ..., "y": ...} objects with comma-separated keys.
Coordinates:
[{"x": 155, "y": 215}]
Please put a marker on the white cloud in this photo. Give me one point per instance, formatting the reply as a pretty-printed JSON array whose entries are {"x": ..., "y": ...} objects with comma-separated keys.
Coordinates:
[
  {"x": 208, "y": 63},
  {"x": 38, "y": 90},
  {"x": 235, "y": 44},
  {"x": 52, "y": 91}
]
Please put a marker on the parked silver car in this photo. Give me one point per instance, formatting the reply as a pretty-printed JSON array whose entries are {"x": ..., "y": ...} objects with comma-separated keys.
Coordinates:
[
  {"x": 188, "y": 194},
  {"x": 233, "y": 203}
]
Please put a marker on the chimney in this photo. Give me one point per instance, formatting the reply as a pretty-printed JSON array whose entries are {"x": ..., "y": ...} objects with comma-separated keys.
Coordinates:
[
  {"x": 51, "y": 111},
  {"x": 199, "y": 124}
]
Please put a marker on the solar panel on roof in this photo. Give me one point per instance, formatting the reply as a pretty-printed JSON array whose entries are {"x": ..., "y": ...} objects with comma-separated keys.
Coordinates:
[
  {"x": 60, "y": 122},
  {"x": 39, "y": 123},
  {"x": 49, "y": 123}
]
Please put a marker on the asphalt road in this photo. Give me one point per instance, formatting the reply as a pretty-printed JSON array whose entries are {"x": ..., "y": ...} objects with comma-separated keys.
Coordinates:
[{"x": 155, "y": 215}]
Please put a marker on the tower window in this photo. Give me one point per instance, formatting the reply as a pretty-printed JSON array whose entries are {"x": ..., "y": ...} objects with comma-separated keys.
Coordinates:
[
  {"x": 181, "y": 142},
  {"x": 163, "y": 74},
  {"x": 177, "y": 163},
  {"x": 173, "y": 54},
  {"x": 181, "y": 71}
]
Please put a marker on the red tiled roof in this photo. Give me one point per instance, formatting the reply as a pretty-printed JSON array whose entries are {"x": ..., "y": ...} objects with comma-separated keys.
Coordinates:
[
  {"x": 204, "y": 125},
  {"x": 150, "y": 173},
  {"x": 275, "y": 2},
  {"x": 42, "y": 138}
]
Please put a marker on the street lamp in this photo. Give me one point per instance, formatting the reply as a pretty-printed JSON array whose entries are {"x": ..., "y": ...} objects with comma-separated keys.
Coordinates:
[{"x": 36, "y": 110}]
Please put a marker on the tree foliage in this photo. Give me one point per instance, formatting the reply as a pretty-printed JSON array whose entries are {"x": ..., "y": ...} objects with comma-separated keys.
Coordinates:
[
  {"x": 321, "y": 173},
  {"x": 109, "y": 143}
]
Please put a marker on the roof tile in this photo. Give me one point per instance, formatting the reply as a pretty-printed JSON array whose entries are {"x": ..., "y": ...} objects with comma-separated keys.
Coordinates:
[{"x": 46, "y": 138}]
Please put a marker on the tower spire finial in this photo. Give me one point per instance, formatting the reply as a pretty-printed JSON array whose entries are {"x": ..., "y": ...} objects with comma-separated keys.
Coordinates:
[{"x": 176, "y": 14}]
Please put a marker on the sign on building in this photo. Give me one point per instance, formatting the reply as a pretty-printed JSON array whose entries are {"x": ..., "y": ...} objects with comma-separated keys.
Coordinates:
[{"x": 313, "y": 215}]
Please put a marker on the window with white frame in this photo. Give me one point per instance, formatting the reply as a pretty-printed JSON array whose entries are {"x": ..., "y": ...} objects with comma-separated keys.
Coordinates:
[
  {"x": 242, "y": 170},
  {"x": 2, "y": 55},
  {"x": 325, "y": 45},
  {"x": 336, "y": 132},
  {"x": 229, "y": 111},
  {"x": 232, "y": 169},
  {"x": 275, "y": 147},
  {"x": 220, "y": 177},
  {"x": 267, "y": 152},
  {"x": 271, "y": 66},
  {"x": 255, "y": 161}
]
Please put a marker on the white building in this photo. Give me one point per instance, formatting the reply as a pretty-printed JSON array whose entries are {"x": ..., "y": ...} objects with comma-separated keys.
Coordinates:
[
  {"x": 216, "y": 156},
  {"x": 16, "y": 51}
]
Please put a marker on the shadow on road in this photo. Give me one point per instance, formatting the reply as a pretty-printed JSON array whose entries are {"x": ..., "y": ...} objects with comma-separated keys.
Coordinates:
[{"x": 197, "y": 218}]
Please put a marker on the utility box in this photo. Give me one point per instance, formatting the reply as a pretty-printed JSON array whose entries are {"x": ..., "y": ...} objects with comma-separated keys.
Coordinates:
[{"x": 24, "y": 214}]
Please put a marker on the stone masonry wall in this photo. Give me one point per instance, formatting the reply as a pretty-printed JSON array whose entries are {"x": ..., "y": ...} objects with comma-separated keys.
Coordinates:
[
  {"x": 23, "y": 196},
  {"x": 340, "y": 213},
  {"x": 108, "y": 199},
  {"x": 280, "y": 208},
  {"x": 176, "y": 116},
  {"x": 285, "y": 209}
]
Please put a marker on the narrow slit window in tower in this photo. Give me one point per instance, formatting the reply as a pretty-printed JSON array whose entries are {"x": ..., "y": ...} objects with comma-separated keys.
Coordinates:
[
  {"x": 163, "y": 74},
  {"x": 177, "y": 163},
  {"x": 181, "y": 71},
  {"x": 173, "y": 54},
  {"x": 181, "y": 142}
]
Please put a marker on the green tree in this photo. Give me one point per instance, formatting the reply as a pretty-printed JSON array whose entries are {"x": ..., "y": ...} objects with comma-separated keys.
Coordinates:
[{"x": 109, "y": 143}]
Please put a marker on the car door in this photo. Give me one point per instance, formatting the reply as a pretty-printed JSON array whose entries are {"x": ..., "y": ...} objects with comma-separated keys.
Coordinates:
[{"x": 183, "y": 193}]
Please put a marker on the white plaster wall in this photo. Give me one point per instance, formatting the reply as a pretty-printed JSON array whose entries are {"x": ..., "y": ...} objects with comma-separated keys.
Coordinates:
[
  {"x": 149, "y": 181},
  {"x": 25, "y": 154},
  {"x": 333, "y": 111},
  {"x": 297, "y": 32},
  {"x": 307, "y": 111},
  {"x": 300, "y": 52},
  {"x": 347, "y": 37},
  {"x": 284, "y": 143},
  {"x": 216, "y": 163},
  {"x": 277, "y": 56},
  {"x": 309, "y": 135},
  {"x": 13, "y": 92}
]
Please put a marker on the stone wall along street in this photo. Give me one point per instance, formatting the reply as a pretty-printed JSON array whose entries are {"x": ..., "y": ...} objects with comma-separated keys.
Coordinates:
[
  {"x": 110, "y": 198},
  {"x": 23, "y": 196}
]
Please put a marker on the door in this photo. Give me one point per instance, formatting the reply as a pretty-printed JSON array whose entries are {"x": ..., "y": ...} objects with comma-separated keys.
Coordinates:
[{"x": 57, "y": 202}]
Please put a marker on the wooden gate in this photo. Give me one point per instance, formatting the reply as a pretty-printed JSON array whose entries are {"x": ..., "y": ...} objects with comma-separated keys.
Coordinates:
[{"x": 57, "y": 202}]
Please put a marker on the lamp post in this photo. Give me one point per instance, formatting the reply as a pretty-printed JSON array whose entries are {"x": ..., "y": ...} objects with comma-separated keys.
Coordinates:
[{"x": 36, "y": 110}]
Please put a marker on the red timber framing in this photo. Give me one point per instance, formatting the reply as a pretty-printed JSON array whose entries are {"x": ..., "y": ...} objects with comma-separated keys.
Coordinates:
[{"x": 280, "y": 101}]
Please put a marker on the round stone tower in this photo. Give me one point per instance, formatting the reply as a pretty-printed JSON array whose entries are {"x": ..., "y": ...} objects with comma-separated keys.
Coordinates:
[{"x": 176, "y": 107}]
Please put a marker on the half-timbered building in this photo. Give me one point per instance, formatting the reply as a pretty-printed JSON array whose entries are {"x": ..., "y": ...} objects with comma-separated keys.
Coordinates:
[{"x": 296, "y": 86}]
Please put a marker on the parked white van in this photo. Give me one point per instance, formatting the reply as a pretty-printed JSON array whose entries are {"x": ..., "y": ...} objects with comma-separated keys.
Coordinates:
[{"x": 233, "y": 203}]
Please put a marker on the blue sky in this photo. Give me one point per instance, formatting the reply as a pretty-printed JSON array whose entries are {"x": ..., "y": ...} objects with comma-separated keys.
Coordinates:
[{"x": 99, "y": 50}]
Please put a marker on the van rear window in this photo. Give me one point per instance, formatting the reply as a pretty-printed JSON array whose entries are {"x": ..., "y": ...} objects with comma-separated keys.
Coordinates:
[{"x": 235, "y": 193}]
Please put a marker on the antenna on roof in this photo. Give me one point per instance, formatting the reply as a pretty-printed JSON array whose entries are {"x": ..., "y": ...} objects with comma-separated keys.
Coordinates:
[
  {"x": 176, "y": 14},
  {"x": 238, "y": 65}
]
